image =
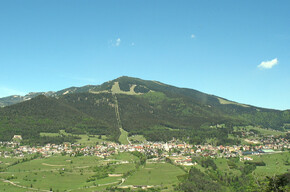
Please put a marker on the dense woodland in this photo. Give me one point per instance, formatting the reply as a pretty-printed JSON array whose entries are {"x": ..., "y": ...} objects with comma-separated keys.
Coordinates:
[{"x": 44, "y": 114}]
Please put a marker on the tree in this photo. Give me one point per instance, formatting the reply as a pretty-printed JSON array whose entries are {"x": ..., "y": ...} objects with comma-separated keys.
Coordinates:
[{"x": 279, "y": 183}]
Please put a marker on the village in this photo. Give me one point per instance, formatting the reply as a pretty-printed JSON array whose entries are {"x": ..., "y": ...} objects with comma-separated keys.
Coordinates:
[{"x": 177, "y": 151}]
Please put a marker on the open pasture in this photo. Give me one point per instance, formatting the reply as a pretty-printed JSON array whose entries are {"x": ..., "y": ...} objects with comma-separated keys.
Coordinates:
[
  {"x": 60, "y": 173},
  {"x": 278, "y": 163},
  {"x": 64, "y": 173},
  {"x": 123, "y": 137},
  {"x": 155, "y": 174},
  {"x": 137, "y": 139},
  {"x": 87, "y": 140}
]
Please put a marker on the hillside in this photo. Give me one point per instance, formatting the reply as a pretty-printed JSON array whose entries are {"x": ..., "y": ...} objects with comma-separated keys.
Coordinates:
[
  {"x": 150, "y": 108},
  {"x": 44, "y": 114}
]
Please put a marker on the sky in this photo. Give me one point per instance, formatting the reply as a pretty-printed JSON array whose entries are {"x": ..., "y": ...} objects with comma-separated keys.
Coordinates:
[{"x": 238, "y": 50}]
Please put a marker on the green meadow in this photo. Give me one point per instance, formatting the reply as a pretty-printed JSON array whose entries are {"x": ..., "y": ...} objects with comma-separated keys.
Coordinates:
[
  {"x": 58, "y": 172},
  {"x": 65, "y": 173},
  {"x": 264, "y": 132},
  {"x": 4, "y": 186},
  {"x": 85, "y": 139},
  {"x": 137, "y": 139},
  {"x": 276, "y": 164},
  {"x": 155, "y": 174},
  {"x": 123, "y": 139}
]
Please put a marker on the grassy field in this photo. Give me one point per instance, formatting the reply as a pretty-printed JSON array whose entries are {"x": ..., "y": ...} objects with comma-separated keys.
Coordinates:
[
  {"x": 125, "y": 157},
  {"x": 65, "y": 173},
  {"x": 223, "y": 165},
  {"x": 123, "y": 137},
  {"x": 275, "y": 164},
  {"x": 90, "y": 140},
  {"x": 87, "y": 140},
  {"x": 155, "y": 174},
  {"x": 57, "y": 172},
  {"x": 269, "y": 131},
  {"x": 265, "y": 132},
  {"x": 61, "y": 132},
  {"x": 49, "y": 134},
  {"x": 4, "y": 186},
  {"x": 137, "y": 139},
  {"x": 62, "y": 173}
]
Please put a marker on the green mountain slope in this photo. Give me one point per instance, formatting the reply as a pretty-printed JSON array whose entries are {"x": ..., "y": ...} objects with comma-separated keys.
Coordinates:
[
  {"x": 44, "y": 114},
  {"x": 150, "y": 108}
]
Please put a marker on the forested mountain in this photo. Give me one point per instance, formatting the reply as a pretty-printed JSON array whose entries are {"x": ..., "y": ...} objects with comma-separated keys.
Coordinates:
[{"x": 150, "y": 108}]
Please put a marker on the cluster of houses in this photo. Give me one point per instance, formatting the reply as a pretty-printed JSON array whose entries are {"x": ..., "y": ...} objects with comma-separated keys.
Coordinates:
[{"x": 179, "y": 152}]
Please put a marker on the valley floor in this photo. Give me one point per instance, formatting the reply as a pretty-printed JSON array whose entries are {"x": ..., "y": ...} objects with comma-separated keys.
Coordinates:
[{"x": 119, "y": 171}]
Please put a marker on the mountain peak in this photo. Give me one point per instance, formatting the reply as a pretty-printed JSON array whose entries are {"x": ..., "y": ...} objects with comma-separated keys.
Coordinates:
[{"x": 128, "y": 78}]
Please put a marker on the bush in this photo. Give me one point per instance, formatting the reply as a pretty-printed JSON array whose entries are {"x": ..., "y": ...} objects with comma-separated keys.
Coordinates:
[{"x": 257, "y": 163}]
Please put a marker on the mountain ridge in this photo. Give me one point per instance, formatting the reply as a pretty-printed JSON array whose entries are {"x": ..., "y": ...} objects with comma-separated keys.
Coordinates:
[
  {"x": 13, "y": 99},
  {"x": 155, "y": 110}
]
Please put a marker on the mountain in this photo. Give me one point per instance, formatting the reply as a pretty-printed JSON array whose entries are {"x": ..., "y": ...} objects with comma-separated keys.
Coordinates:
[
  {"x": 10, "y": 100},
  {"x": 150, "y": 108}
]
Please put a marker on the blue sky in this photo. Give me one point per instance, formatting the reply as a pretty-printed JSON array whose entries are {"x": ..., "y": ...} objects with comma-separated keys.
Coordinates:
[{"x": 239, "y": 50}]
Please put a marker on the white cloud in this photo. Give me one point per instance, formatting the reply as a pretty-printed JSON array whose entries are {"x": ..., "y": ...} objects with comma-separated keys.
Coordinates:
[
  {"x": 268, "y": 64},
  {"x": 118, "y": 42},
  {"x": 192, "y": 36}
]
